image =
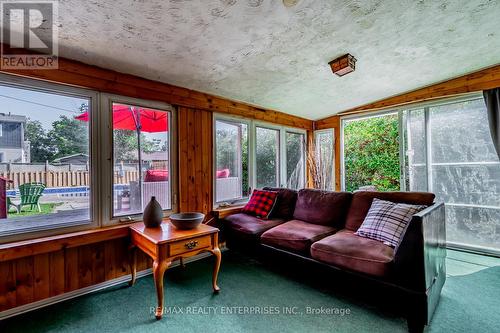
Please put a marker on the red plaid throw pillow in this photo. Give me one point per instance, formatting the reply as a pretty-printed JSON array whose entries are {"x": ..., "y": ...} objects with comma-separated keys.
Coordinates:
[{"x": 261, "y": 203}]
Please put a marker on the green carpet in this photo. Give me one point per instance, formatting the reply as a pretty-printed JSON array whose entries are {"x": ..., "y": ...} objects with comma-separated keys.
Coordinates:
[{"x": 470, "y": 302}]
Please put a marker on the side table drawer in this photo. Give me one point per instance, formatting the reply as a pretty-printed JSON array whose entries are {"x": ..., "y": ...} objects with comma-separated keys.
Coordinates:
[{"x": 189, "y": 245}]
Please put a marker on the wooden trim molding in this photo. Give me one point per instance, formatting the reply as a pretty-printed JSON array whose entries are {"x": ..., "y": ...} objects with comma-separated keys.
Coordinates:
[
  {"x": 81, "y": 75},
  {"x": 16, "y": 250},
  {"x": 481, "y": 80}
]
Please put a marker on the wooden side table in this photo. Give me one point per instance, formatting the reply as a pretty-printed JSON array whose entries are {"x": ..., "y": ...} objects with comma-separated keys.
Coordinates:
[{"x": 166, "y": 244}]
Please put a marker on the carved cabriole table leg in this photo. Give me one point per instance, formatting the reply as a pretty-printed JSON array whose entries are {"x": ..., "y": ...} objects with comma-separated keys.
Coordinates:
[
  {"x": 218, "y": 257},
  {"x": 133, "y": 263},
  {"x": 159, "y": 268},
  {"x": 216, "y": 252}
]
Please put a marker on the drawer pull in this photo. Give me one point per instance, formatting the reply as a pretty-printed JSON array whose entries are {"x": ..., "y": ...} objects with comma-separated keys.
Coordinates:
[{"x": 191, "y": 245}]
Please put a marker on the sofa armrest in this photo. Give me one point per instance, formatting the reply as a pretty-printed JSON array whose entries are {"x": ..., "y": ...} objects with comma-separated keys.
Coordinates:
[
  {"x": 420, "y": 258},
  {"x": 221, "y": 213}
]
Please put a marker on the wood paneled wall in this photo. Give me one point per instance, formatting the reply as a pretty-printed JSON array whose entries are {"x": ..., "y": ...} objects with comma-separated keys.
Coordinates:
[
  {"x": 37, "y": 277},
  {"x": 54, "y": 268},
  {"x": 195, "y": 160}
]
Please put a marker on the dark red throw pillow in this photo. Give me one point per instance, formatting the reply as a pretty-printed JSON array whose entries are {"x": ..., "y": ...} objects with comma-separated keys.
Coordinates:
[{"x": 261, "y": 203}]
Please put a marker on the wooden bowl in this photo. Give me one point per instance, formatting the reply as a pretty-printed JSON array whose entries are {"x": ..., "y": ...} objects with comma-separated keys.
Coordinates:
[{"x": 187, "y": 221}]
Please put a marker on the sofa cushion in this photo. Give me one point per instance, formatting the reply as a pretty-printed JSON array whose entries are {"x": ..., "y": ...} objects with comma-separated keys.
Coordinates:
[
  {"x": 261, "y": 203},
  {"x": 387, "y": 221},
  {"x": 156, "y": 176},
  {"x": 322, "y": 207},
  {"x": 362, "y": 201},
  {"x": 347, "y": 250},
  {"x": 249, "y": 226},
  {"x": 295, "y": 235},
  {"x": 285, "y": 203}
]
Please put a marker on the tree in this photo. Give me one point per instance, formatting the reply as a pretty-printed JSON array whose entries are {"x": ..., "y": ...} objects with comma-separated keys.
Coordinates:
[
  {"x": 126, "y": 147},
  {"x": 40, "y": 148},
  {"x": 372, "y": 153},
  {"x": 68, "y": 136},
  {"x": 266, "y": 156}
]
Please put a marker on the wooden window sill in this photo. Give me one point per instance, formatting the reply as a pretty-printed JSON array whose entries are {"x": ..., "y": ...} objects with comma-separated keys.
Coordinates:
[
  {"x": 25, "y": 248},
  {"x": 221, "y": 213}
]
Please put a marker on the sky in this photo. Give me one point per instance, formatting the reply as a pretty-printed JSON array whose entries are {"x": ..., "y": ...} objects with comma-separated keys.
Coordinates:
[
  {"x": 20, "y": 102},
  {"x": 45, "y": 107}
]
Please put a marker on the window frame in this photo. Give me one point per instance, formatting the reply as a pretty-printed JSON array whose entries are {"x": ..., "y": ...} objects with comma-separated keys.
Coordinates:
[
  {"x": 284, "y": 170},
  {"x": 355, "y": 117},
  {"x": 106, "y": 107},
  {"x": 94, "y": 152},
  {"x": 280, "y": 155},
  {"x": 234, "y": 120},
  {"x": 329, "y": 131},
  {"x": 427, "y": 138},
  {"x": 283, "y": 130},
  {"x": 399, "y": 110},
  {"x": 252, "y": 175},
  {"x": 101, "y": 157}
]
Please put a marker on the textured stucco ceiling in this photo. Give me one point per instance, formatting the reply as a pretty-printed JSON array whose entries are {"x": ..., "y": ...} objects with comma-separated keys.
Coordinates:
[{"x": 264, "y": 53}]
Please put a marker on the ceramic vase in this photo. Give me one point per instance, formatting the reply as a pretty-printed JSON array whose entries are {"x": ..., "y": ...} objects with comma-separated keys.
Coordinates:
[{"x": 153, "y": 214}]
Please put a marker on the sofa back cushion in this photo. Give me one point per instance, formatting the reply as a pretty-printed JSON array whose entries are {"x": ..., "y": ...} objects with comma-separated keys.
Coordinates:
[
  {"x": 285, "y": 203},
  {"x": 362, "y": 201},
  {"x": 322, "y": 207}
]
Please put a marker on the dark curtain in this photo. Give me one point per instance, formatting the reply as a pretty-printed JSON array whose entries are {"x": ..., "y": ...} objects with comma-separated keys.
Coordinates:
[{"x": 492, "y": 100}]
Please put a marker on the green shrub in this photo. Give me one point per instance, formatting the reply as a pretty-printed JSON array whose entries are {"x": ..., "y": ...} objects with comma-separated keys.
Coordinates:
[{"x": 371, "y": 150}]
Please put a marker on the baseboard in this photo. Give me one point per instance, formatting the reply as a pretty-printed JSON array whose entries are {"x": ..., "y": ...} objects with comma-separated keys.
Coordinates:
[{"x": 87, "y": 290}]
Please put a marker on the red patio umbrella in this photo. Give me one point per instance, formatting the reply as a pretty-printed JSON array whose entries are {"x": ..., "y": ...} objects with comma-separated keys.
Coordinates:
[{"x": 127, "y": 117}]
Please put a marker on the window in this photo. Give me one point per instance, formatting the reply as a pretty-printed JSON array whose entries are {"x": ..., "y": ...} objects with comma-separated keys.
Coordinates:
[
  {"x": 252, "y": 154},
  {"x": 46, "y": 158},
  {"x": 372, "y": 153},
  {"x": 324, "y": 169},
  {"x": 464, "y": 172},
  {"x": 231, "y": 160},
  {"x": 142, "y": 151},
  {"x": 61, "y": 158},
  {"x": 295, "y": 156},
  {"x": 442, "y": 147},
  {"x": 267, "y": 157},
  {"x": 416, "y": 152}
]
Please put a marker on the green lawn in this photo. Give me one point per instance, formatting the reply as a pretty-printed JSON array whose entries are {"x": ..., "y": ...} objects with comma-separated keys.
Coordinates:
[{"x": 47, "y": 208}]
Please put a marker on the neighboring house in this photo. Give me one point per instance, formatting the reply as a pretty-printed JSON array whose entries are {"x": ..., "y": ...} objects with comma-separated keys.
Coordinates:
[
  {"x": 79, "y": 158},
  {"x": 13, "y": 147}
]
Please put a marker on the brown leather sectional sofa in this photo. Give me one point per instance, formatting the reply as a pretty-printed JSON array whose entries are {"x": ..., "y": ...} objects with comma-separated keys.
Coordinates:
[{"x": 319, "y": 226}]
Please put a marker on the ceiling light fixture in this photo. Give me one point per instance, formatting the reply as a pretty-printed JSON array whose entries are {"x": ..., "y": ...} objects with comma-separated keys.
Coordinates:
[
  {"x": 290, "y": 3},
  {"x": 343, "y": 65}
]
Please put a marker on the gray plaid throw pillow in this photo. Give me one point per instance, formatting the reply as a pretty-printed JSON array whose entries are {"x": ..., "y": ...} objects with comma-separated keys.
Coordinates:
[{"x": 387, "y": 221}]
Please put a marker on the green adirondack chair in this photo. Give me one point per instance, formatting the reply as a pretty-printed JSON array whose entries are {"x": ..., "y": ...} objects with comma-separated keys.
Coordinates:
[{"x": 30, "y": 194}]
